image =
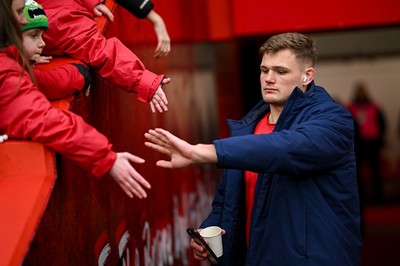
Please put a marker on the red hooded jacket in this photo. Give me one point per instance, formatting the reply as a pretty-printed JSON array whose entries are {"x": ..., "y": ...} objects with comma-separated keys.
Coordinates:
[
  {"x": 73, "y": 31},
  {"x": 62, "y": 81},
  {"x": 25, "y": 113}
]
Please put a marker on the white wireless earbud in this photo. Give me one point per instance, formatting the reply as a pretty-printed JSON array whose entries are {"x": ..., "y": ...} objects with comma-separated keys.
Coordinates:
[{"x": 305, "y": 79}]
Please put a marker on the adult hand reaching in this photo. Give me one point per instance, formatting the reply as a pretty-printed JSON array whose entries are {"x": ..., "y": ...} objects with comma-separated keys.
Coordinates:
[
  {"x": 127, "y": 177},
  {"x": 181, "y": 153},
  {"x": 178, "y": 150},
  {"x": 163, "y": 40}
]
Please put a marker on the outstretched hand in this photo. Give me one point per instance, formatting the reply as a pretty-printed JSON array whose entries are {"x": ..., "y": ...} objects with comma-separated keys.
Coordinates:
[
  {"x": 177, "y": 149},
  {"x": 159, "y": 101},
  {"x": 163, "y": 40},
  {"x": 127, "y": 177}
]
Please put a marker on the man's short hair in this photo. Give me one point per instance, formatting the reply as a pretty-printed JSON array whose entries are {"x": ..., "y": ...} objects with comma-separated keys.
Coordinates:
[{"x": 301, "y": 45}]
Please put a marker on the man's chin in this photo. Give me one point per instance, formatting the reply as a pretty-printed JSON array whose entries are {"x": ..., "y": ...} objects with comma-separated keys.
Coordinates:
[
  {"x": 275, "y": 102},
  {"x": 268, "y": 99}
]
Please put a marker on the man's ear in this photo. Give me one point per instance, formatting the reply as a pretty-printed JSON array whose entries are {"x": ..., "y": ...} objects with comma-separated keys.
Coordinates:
[{"x": 309, "y": 75}]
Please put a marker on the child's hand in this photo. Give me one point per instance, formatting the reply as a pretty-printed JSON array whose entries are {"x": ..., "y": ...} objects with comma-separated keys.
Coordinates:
[
  {"x": 102, "y": 10},
  {"x": 159, "y": 101},
  {"x": 43, "y": 59}
]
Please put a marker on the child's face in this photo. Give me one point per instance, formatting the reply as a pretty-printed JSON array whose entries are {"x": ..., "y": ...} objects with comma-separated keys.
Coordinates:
[{"x": 33, "y": 43}]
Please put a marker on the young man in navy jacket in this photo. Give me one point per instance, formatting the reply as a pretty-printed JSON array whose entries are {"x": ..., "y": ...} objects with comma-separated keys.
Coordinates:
[{"x": 288, "y": 194}]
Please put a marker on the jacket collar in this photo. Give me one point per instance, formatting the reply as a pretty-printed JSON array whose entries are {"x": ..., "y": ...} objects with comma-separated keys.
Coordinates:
[{"x": 296, "y": 102}]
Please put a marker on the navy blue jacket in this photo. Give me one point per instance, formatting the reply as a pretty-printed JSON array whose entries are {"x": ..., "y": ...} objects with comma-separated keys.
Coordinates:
[{"x": 306, "y": 207}]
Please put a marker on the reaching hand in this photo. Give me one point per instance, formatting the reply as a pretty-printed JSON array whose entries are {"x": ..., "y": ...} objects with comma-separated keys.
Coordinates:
[
  {"x": 163, "y": 41},
  {"x": 159, "y": 101},
  {"x": 102, "y": 10},
  {"x": 178, "y": 150},
  {"x": 127, "y": 177},
  {"x": 181, "y": 153}
]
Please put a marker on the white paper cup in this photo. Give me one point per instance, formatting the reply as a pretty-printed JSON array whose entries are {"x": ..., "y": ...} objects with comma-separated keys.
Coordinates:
[{"x": 212, "y": 235}]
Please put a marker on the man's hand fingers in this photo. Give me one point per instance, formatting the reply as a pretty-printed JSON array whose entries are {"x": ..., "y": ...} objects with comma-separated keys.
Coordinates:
[
  {"x": 157, "y": 148},
  {"x": 164, "y": 164},
  {"x": 157, "y": 137}
]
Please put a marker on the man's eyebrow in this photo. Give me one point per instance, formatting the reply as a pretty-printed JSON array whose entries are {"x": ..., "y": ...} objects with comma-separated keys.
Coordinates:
[
  {"x": 274, "y": 67},
  {"x": 280, "y": 67}
]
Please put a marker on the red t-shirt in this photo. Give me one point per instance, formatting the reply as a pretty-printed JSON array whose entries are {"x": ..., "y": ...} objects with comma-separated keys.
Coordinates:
[{"x": 263, "y": 127}]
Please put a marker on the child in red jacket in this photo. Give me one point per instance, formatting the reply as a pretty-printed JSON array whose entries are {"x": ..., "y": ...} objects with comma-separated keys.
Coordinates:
[
  {"x": 27, "y": 114},
  {"x": 74, "y": 32},
  {"x": 59, "y": 82}
]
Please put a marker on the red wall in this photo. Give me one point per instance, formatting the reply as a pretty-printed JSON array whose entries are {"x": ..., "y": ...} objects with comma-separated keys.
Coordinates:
[
  {"x": 193, "y": 21},
  {"x": 89, "y": 219},
  {"x": 254, "y": 17}
]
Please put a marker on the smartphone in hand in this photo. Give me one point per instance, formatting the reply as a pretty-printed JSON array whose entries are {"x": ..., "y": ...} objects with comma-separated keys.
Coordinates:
[{"x": 194, "y": 234}]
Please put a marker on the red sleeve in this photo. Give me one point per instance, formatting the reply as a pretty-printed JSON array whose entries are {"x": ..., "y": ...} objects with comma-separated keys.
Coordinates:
[
  {"x": 77, "y": 35},
  {"x": 60, "y": 82},
  {"x": 27, "y": 114},
  {"x": 123, "y": 68},
  {"x": 51, "y": 7}
]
